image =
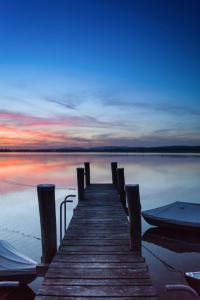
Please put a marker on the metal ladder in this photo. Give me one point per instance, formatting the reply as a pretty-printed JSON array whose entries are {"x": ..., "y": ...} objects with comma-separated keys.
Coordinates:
[{"x": 65, "y": 214}]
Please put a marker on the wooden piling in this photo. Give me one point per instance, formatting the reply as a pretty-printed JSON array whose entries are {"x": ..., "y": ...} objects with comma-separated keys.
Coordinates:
[
  {"x": 114, "y": 173},
  {"x": 80, "y": 183},
  {"x": 134, "y": 208},
  {"x": 121, "y": 183},
  {"x": 46, "y": 200},
  {"x": 87, "y": 173}
]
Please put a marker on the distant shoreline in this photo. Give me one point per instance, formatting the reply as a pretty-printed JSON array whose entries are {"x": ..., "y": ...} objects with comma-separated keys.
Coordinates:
[{"x": 111, "y": 149}]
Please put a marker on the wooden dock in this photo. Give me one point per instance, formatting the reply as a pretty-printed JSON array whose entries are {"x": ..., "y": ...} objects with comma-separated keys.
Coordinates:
[{"x": 94, "y": 260}]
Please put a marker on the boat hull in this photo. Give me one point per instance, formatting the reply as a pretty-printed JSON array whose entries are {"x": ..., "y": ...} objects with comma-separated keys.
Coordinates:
[
  {"x": 193, "y": 281},
  {"x": 23, "y": 279},
  {"x": 167, "y": 224}
]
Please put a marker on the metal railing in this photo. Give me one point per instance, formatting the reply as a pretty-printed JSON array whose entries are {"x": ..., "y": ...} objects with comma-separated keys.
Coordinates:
[
  {"x": 182, "y": 288},
  {"x": 65, "y": 214}
]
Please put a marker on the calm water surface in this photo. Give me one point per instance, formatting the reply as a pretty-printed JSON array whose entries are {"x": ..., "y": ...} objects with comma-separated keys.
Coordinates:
[{"x": 162, "y": 180}]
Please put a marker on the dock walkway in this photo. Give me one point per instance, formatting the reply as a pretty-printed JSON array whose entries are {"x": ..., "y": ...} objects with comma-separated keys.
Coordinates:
[{"x": 94, "y": 260}]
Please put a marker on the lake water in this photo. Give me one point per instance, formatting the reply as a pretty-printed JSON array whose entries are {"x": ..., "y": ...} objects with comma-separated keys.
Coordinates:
[{"x": 162, "y": 180}]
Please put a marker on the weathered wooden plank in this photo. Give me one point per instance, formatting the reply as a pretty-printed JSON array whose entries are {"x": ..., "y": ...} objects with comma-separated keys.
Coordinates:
[
  {"x": 93, "y": 242},
  {"x": 100, "y": 282},
  {"x": 95, "y": 258},
  {"x": 110, "y": 234},
  {"x": 97, "y": 214},
  {"x": 95, "y": 234},
  {"x": 91, "y": 204},
  {"x": 97, "y": 273},
  {"x": 63, "y": 251},
  {"x": 99, "y": 227},
  {"x": 95, "y": 298},
  {"x": 102, "y": 291},
  {"x": 98, "y": 230},
  {"x": 85, "y": 235},
  {"x": 92, "y": 265},
  {"x": 109, "y": 208},
  {"x": 98, "y": 210},
  {"x": 105, "y": 197},
  {"x": 99, "y": 218},
  {"x": 98, "y": 224},
  {"x": 95, "y": 248}
]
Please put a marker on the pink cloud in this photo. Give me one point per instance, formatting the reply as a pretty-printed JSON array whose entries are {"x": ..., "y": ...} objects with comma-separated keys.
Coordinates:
[{"x": 19, "y": 119}]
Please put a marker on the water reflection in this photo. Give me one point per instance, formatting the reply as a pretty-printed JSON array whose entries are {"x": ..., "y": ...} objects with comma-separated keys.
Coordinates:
[
  {"x": 22, "y": 293},
  {"x": 162, "y": 180},
  {"x": 174, "y": 240}
]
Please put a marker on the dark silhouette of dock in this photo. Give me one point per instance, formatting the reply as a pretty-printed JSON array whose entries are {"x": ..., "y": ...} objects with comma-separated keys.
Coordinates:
[{"x": 94, "y": 260}]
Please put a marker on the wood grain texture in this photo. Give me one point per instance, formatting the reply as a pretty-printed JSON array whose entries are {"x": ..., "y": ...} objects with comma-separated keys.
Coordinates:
[
  {"x": 95, "y": 298},
  {"x": 96, "y": 273},
  {"x": 95, "y": 258},
  {"x": 100, "y": 282},
  {"x": 101, "y": 291},
  {"x": 92, "y": 265}
]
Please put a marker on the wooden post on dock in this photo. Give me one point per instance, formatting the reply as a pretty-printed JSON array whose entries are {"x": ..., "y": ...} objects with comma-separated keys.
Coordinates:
[
  {"x": 46, "y": 199},
  {"x": 134, "y": 208},
  {"x": 80, "y": 183},
  {"x": 87, "y": 173},
  {"x": 121, "y": 183},
  {"x": 114, "y": 173}
]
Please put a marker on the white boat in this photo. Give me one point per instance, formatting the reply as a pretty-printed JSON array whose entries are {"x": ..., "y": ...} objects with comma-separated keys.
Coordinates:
[
  {"x": 15, "y": 266},
  {"x": 177, "y": 215},
  {"x": 193, "y": 279}
]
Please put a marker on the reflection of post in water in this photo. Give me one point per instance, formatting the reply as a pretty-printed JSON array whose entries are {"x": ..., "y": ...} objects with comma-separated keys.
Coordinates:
[
  {"x": 21, "y": 293},
  {"x": 179, "y": 241}
]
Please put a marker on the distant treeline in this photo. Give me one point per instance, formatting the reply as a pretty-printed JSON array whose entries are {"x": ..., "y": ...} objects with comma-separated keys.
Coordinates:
[{"x": 168, "y": 149}]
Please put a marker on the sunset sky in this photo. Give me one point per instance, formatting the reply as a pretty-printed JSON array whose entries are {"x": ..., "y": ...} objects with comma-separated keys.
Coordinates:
[{"x": 83, "y": 73}]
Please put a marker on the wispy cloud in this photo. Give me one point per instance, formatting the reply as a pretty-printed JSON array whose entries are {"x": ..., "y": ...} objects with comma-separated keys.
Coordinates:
[
  {"x": 68, "y": 105},
  {"x": 101, "y": 136},
  {"x": 161, "y": 131},
  {"x": 19, "y": 119},
  {"x": 107, "y": 99}
]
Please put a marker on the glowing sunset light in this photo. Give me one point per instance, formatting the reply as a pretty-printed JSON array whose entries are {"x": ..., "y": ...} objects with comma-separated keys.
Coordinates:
[{"x": 102, "y": 73}]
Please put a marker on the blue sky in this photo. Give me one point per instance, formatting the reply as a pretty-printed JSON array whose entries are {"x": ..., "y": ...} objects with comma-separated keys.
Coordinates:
[{"x": 94, "y": 73}]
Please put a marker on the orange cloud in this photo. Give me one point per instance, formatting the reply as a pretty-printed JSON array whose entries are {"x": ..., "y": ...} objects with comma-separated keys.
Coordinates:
[{"x": 22, "y": 131}]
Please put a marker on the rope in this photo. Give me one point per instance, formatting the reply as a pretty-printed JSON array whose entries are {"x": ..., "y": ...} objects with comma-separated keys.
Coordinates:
[
  {"x": 170, "y": 268},
  {"x": 17, "y": 183},
  {"x": 13, "y": 231}
]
